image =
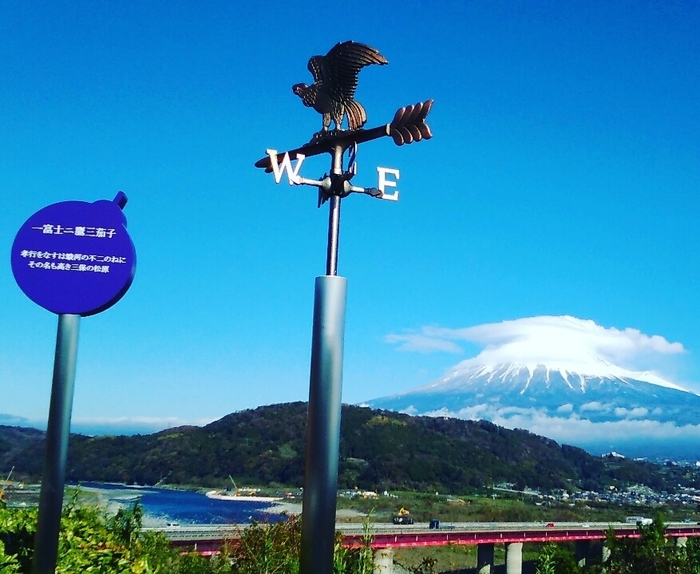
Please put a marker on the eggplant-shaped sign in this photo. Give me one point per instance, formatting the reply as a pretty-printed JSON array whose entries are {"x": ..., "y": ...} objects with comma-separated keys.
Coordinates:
[{"x": 75, "y": 257}]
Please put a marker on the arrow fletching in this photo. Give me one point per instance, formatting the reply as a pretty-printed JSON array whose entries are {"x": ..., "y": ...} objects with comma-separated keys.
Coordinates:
[{"x": 409, "y": 124}]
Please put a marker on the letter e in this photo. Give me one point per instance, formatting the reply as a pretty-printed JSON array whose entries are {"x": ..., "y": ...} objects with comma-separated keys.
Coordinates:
[{"x": 384, "y": 182}]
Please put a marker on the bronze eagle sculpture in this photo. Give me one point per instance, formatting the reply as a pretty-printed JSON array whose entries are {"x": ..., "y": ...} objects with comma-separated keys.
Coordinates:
[{"x": 335, "y": 80}]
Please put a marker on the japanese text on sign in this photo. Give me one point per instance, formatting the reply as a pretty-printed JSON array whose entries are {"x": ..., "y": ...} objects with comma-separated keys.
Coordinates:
[{"x": 77, "y": 231}]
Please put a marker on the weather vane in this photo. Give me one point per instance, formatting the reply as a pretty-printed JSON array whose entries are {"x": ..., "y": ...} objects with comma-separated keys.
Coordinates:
[{"x": 333, "y": 96}]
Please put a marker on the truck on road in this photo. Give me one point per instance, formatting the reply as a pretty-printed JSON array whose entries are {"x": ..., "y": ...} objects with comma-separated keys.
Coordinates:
[{"x": 403, "y": 517}]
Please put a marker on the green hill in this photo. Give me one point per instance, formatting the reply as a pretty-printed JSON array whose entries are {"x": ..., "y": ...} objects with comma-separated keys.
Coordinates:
[{"x": 379, "y": 450}]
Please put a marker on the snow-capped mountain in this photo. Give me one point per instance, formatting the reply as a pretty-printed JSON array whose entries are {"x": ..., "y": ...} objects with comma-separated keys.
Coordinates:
[
  {"x": 561, "y": 377},
  {"x": 593, "y": 404},
  {"x": 597, "y": 392}
]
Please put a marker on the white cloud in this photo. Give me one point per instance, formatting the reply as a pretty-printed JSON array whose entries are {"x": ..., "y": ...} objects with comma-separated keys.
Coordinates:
[
  {"x": 131, "y": 425},
  {"x": 422, "y": 343},
  {"x": 474, "y": 412},
  {"x": 635, "y": 413},
  {"x": 165, "y": 422},
  {"x": 578, "y": 345},
  {"x": 573, "y": 429},
  {"x": 596, "y": 406},
  {"x": 12, "y": 420}
]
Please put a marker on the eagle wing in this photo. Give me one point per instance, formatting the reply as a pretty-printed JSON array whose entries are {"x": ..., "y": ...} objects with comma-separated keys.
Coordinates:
[
  {"x": 319, "y": 70},
  {"x": 338, "y": 70}
]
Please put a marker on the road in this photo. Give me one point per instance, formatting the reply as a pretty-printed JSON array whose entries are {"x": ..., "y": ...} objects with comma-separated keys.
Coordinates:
[{"x": 388, "y": 534}]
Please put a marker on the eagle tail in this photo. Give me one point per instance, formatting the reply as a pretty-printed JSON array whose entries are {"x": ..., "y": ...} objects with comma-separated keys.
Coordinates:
[{"x": 357, "y": 117}]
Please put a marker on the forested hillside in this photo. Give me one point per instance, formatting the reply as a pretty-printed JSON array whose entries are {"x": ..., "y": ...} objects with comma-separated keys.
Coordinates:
[{"x": 378, "y": 450}]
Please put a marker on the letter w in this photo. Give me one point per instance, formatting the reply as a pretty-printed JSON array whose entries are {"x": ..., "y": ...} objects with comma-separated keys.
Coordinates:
[{"x": 286, "y": 165}]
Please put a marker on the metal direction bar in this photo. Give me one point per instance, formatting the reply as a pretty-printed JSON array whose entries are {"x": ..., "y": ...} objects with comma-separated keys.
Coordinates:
[
  {"x": 323, "y": 431},
  {"x": 57, "y": 432},
  {"x": 327, "y": 146}
]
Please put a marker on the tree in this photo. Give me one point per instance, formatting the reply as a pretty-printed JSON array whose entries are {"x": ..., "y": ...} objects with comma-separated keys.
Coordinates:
[
  {"x": 555, "y": 559},
  {"x": 651, "y": 553}
]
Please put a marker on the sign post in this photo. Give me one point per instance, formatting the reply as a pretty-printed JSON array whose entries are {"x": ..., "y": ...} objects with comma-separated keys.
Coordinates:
[
  {"x": 74, "y": 259},
  {"x": 332, "y": 95},
  {"x": 57, "y": 433}
]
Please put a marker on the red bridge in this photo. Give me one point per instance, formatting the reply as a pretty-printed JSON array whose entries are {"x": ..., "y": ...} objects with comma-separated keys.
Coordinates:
[{"x": 384, "y": 537}]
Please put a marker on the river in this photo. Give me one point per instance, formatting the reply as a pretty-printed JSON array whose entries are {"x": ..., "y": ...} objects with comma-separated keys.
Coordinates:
[{"x": 167, "y": 505}]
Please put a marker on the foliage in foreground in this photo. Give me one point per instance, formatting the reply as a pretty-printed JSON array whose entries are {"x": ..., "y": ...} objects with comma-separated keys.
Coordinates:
[
  {"x": 91, "y": 542},
  {"x": 555, "y": 559},
  {"x": 651, "y": 553}
]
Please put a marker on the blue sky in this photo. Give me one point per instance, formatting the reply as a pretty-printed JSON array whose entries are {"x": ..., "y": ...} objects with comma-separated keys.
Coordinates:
[{"x": 562, "y": 179}]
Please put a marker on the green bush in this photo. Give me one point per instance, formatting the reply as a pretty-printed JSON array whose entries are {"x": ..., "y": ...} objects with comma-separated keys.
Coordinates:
[
  {"x": 92, "y": 543},
  {"x": 555, "y": 559},
  {"x": 650, "y": 553},
  {"x": 17, "y": 528}
]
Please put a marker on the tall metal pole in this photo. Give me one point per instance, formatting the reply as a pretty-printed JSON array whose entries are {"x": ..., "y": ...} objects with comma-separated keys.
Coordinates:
[
  {"x": 333, "y": 228},
  {"x": 325, "y": 391},
  {"x": 323, "y": 431},
  {"x": 57, "y": 433},
  {"x": 344, "y": 62},
  {"x": 334, "y": 217}
]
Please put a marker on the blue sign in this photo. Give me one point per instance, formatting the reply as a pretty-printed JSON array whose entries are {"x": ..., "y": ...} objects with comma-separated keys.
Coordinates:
[{"x": 75, "y": 257}]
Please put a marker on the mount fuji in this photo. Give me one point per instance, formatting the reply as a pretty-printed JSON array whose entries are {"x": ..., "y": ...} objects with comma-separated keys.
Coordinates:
[{"x": 550, "y": 375}]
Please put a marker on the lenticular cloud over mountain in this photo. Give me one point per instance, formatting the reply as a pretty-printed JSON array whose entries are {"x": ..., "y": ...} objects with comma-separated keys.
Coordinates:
[
  {"x": 566, "y": 378},
  {"x": 543, "y": 340}
]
